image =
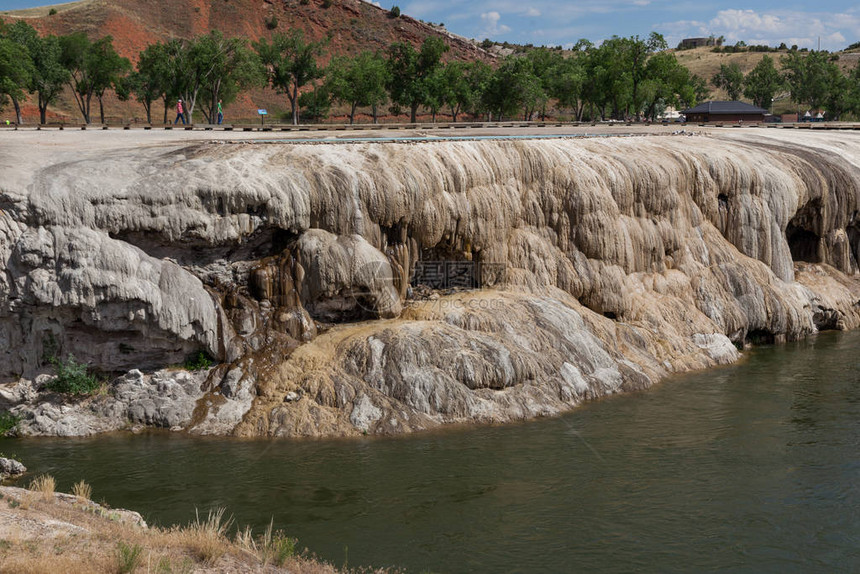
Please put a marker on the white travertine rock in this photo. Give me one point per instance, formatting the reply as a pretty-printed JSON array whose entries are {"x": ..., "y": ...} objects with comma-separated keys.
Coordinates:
[{"x": 612, "y": 262}]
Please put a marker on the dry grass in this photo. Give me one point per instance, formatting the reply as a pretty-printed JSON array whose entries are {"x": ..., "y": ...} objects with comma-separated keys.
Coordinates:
[
  {"x": 45, "y": 485},
  {"x": 207, "y": 539},
  {"x": 28, "y": 563},
  {"x": 273, "y": 547},
  {"x": 82, "y": 490},
  {"x": 61, "y": 535}
]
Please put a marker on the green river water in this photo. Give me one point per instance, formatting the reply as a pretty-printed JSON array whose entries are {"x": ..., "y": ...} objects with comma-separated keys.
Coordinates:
[{"x": 748, "y": 468}]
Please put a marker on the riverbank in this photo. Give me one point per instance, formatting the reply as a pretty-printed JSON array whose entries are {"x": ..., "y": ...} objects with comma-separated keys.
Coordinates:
[
  {"x": 750, "y": 467},
  {"x": 44, "y": 532}
]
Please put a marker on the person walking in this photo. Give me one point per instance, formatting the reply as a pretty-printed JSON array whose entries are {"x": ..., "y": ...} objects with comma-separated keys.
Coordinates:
[
  {"x": 180, "y": 112},
  {"x": 220, "y": 113}
]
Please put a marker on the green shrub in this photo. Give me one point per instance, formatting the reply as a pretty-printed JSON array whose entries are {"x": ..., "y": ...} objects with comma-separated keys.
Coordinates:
[
  {"x": 272, "y": 22},
  {"x": 72, "y": 378},
  {"x": 52, "y": 11},
  {"x": 198, "y": 362},
  {"x": 395, "y": 12},
  {"x": 128, "y": 557},
  {"x": 326, "y": 3},
  {"x": 8, "y": 422},
  {"x": 280, "y": 547}
]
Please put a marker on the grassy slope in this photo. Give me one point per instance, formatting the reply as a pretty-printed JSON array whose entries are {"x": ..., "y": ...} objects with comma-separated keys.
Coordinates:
[{"x": 704, "y": 62}]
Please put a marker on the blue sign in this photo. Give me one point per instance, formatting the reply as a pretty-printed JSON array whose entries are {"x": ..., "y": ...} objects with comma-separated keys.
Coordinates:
[{"x": 263, "y": 112}]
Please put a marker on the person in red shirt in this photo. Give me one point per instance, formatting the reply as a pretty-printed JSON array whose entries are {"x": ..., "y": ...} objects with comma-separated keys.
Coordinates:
[{"x": 180, "y": 113}]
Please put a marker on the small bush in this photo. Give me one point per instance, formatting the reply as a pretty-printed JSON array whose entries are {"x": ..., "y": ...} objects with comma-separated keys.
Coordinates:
[
  {"x": 326, "y": 3},
  {"x": 279, "y": 547},
  {"x": 198, "y": 362},
  {"x": 52, "y": 11},
  {"x": 304, "y": 2},
  {"x": 128, "y": 557},
  {"x": 394, "y": 12},
  {"x": 82, "y": 490},
  {"x": 272, "y": 22},
  {"x": 72, "y": 378},
  {"x": 8, "y": 422}
]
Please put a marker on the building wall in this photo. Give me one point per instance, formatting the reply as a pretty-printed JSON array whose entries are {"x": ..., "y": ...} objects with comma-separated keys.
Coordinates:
[
  {"x": 688, "y": 43},
  {"x": 725, "y": 117}
]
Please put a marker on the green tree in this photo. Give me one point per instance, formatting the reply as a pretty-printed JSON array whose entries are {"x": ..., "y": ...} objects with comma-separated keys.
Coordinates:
[
  {"x": 479, "y": 77},
  {"x": 109, "y": 70},
  {"x": 409, "y": 71},
  {"x": 93, "y": 67},
  {"x": 838, "y": 98},
  {"x": 48, "y": 73},
  {"x": 437, "y": 91},
  {"x": 608, "y": 90},
  {"x": 667, "y": 83},
  {"x": 150, "y": 81},
  {"x": 544, "y": 63},
  {"x": 762, "y": 83},
  {"x": 566, "y": 85},
  {"x": 807, "y": 77},
  {"x": 854, "y": 91},
  {"x": 316, "y": 103},
  {"x": 290, "y": 64},
  {"x": 232, "y": 66},
  {"x": 731, "y": 79},
  {"x": 514, "y": 87},
  {"x": 358, "y": 82},
  {"x": 16, "y": 72},
  {"x": 460, "y": 93},
  {"x": 635, "y": 53}
]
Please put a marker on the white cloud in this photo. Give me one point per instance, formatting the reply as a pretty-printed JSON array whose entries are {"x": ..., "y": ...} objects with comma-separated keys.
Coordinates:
[
  {"x": 492, "y": 27},
  {"x": 772, "y": 28},
  {"x": 534, "y": 12},
  {"x": 641, "y": 2}
]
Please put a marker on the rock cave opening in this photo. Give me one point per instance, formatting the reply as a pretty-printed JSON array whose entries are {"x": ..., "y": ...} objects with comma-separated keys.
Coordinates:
[
  {"x": 759, "y": 337},
  {"x": 441, "y": 268},
  {"x": 802, "y": 233},
  {"x": 853, "y": 232},
  {"x": 803, "y": 244}
]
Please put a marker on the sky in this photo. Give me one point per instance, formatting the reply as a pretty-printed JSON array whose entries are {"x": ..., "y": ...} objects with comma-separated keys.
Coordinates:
[{"x": 836, "y": 23}]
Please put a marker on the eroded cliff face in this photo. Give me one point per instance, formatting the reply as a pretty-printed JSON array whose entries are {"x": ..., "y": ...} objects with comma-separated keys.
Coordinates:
[{"x": 590, "y": 267}]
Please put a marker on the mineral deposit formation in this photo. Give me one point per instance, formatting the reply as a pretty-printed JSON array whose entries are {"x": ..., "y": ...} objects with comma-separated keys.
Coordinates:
[{"x": 389, "y": 287}]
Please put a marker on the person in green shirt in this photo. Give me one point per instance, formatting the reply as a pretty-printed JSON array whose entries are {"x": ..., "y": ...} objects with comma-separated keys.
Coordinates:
[{"x": 220, "y": 113}]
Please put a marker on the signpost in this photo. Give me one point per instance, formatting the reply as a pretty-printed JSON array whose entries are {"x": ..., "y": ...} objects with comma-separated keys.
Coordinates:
[{"x": 263, "y": 114}]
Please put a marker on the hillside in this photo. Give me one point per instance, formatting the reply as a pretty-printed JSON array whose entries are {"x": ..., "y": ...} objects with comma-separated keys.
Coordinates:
[
  {"x": 350, "y": 26},
  {"x": 704, "y": 62}
]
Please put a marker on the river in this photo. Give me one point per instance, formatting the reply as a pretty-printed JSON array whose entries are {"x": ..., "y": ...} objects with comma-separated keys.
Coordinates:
[{"x": 748, "y": 468}]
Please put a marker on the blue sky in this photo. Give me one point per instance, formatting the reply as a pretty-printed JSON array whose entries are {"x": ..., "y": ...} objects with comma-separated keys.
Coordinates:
[{"x": 554, "y": 22}]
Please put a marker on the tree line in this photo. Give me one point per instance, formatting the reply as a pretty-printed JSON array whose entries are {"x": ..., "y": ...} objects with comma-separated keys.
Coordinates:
[
  {"x": 622, "y": 78},
  {"x": 811, "y": 79}
]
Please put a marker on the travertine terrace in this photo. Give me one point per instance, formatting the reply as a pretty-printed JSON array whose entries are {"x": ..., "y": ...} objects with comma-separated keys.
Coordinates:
[{"x": 609, "y": 263}]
